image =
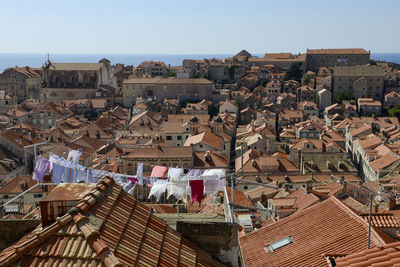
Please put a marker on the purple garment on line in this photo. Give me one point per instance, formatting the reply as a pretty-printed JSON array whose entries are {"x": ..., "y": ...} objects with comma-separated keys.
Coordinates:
[
  {"x": 133, "y": 180},
  {"x": 41, "y": 168}
]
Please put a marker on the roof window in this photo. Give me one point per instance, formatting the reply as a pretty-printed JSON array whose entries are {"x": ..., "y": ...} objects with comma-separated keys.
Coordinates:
[{"x": 281, "y": 243}]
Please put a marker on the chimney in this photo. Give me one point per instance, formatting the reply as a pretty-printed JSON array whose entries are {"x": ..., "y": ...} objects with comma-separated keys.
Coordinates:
[
  {"x": 308, "y": 186},
  {"x": 341, "y": 180},
  {"x": 390, "y": 203},
  {"x": 375, "y": 208}
]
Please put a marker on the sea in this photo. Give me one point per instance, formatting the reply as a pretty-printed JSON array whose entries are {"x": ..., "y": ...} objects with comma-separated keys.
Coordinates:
[{"x": 37, "y": 60}]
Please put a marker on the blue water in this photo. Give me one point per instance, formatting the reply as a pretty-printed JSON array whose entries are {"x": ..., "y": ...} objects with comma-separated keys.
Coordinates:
[{"x": 37, "y": 60}]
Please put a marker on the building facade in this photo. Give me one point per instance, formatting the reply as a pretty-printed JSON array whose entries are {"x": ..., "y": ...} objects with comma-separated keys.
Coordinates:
[
  {"x": 66, "y": 81},
  {"x": 21, "y": 82},
  {"x": 362, "y": 81},
  {"x": 316, "y": 58},
  {"x": 161, "y": 88}
]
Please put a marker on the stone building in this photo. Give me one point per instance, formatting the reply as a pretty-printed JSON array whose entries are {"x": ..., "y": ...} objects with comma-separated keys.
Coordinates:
[
  {"x": 364, "y": 81},
  {"x": 290, "y": 86},
  {"x": 161, "y": 88},
  {"x": 316, "y": 58},
  {"x": 368, "y": 106},
  {"x": 305, "y": 93},
  {"x": 6, "y": 101},
  {"x": 272, "y": 90},
  {"x": 153, "y": 68},
  {"x": 66, "y": 81},
  {"x": 47, "y": 115},
  {"x": 279, "y": 60},
  {"x": 21, "y": 82},
  {"x": 160, "y": 155},
  {"x": 324, "y": 98}
]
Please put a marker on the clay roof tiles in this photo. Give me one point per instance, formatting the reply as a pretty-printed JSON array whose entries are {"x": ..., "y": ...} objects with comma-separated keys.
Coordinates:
[
  {"x": 108, "y": 227},
  {"x": 386, "y": 255},
  {"x": 326, "y": 227}
]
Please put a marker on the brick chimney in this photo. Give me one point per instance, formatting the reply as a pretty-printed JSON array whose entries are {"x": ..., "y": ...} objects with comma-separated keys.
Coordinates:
[
  {"x": 390, "y": 203},
  {"x": 308, "y": 186}
]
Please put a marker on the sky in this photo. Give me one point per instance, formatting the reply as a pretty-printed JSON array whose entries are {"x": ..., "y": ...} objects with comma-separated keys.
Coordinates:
[{"x": 197, "y": 27}]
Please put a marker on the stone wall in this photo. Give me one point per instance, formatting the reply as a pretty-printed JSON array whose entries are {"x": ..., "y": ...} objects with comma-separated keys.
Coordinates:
[
  {"x": 13, "y": 230},
  {"x": 219, "y": 239},
  {"x": 315, "y": 61},
  {"x": 159, "y": 91}
]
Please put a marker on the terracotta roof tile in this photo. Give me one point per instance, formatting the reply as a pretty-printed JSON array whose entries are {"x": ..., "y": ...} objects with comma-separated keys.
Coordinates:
[
  {"x": 381, "y": 220},
  {"x": 116, "y": 230},
  {"x": 327, "y": 227},
  {"x": 386, "y": 255}
]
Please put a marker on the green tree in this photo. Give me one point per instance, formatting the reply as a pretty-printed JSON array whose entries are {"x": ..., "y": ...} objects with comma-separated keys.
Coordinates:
[
  {"x": 171, "y": 74},
  {"x": 346, "y": 95},
  {"x": 306, "y": 79},
  {"x": 263, "y": 82},
  {"x": 294, "y": 72},
  {"x": 213, "y": 110},
  {"x": 231, "y": 71},
  {"x": 394, "y": 111}
]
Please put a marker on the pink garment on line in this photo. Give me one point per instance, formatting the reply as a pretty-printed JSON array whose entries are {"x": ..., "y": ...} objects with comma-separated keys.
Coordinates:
[
  {"x": 158, "y": 171},
  {"x": 197, "y": 190}
]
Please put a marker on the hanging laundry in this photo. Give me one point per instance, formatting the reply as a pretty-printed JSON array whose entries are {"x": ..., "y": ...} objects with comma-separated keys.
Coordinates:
[
  {"x": 42, "y": 167},
  {"x": 197, "y": 188},
  {"x": 127, "y": 186},
  {"x": 60, "y": 174},
  {"x": 132, "y": 190},
  {"x": 74, "y": 155},
  {"x": 193, "y": 173},
  {"x": 81, "y": 175},
  {"x": 158, "y": 189},
  {"x": 158, "y": 171},
  {"x": 221, "y": 184},
  {"x": 175, "y": 173},
  {"x": 177, "y": 189},
  {"x": 133, "y": 180},
  {"x": 73, "y": 173},
  {"x": 211, "y": 186},
  {"x": 139, "y": 171},
  {"x": 214, "y": 173}
]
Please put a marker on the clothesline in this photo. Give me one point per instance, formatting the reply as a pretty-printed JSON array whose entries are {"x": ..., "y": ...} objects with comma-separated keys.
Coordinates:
[{"x": 194, "y": 184}]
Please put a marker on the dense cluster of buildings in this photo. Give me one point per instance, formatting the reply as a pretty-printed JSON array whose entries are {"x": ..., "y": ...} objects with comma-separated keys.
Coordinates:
[{"x": 310, "y": 143}]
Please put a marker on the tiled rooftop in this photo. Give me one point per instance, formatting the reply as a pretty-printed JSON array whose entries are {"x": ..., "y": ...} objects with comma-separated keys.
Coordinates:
[
  {"x": 328, "y": 227},
  {"x": 386, "y": 255},
  {"x": 108, "y": 227}
]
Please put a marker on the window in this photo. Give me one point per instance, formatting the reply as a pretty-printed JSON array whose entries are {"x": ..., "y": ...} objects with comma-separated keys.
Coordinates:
[
  {"x": 169, "y": 138},
  {"x": 179, "y": 137},
  {"x": 245, "y": 187},
  {"x": 201, "y": 146},
  {"x": 5, "y": 196},
  {"x": 281, "y": 243},
  {"x": 37, "y": 195}
]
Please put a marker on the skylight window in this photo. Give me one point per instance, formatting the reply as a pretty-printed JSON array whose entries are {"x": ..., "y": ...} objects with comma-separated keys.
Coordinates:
[{"x": 281, "y": 243}]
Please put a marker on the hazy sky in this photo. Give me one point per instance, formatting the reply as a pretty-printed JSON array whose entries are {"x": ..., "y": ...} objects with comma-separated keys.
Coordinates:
[{"x": 197, "y": 27}]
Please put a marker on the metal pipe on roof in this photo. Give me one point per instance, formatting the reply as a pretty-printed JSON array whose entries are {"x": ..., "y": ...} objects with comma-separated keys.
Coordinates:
[{"x": 369, "y": 220}]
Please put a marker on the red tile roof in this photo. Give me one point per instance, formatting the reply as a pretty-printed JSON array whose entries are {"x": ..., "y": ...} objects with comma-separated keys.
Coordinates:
[
  {"x": 327, "y": 227},
  {"x": 386, "y": 255},
  {"x": 21, "y": 183},
  {"x": 381, "y": 220},
  {"x": 108, "y": 227}
]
